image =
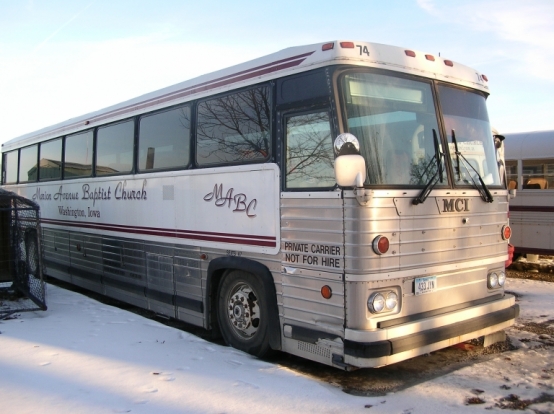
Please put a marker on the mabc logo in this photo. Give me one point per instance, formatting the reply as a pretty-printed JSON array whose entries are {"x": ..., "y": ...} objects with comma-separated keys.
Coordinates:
[{"x": 455, "y": 204}]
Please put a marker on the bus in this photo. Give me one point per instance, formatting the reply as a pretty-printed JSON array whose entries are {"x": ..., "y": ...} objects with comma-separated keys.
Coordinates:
[
  {"x": 530, "y": 171},
  {"x": 338, "y": 201}
]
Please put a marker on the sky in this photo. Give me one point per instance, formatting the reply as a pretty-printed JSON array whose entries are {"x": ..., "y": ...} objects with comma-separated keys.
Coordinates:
[
  {"x": 64, "y": 58},
  {"x": 83, "y": 356}
]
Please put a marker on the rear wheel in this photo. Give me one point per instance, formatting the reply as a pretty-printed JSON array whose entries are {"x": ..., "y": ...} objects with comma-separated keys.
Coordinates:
[{"x": 242, "y": 310}]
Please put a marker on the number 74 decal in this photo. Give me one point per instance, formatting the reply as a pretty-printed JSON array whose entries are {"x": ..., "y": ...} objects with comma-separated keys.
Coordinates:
[{"x": 363, "y": 50}]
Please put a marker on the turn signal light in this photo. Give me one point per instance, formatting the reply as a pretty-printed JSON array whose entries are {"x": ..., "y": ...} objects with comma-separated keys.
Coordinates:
[
  {"x": 326, "y": 292},
  {"x": 506, "y": 232}
]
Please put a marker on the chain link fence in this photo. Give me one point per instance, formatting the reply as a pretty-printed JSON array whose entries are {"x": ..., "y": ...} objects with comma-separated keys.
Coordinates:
[{"x": 22, "y": 287}]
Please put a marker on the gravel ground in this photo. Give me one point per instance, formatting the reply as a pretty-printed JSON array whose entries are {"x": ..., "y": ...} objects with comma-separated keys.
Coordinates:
[{"x": 542, "y": 270}]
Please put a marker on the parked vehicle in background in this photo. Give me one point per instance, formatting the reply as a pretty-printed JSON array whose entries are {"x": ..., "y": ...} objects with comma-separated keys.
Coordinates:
[{"x": 530, "y": 170}]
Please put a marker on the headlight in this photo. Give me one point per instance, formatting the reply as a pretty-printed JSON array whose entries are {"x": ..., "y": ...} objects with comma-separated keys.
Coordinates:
[
  {"x": 384, "y": 301},
  {"x": 376, "y": 303},
  {"x": 492, "y": 280},
  {"x": 501, "y": 278},
  {"x": 392, "y": 301}
]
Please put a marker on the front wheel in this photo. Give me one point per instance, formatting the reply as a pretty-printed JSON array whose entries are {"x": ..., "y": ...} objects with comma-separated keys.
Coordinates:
[{"x": 242, "y": 312}]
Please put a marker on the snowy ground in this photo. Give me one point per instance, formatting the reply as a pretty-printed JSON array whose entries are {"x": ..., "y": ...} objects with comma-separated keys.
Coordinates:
[{"x": 82, "y": 356}]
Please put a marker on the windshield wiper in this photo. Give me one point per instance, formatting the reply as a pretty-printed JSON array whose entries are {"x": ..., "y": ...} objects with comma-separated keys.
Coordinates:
[
  {"x": 483, "y": 190},
  {"x": 438, "y": 176}
]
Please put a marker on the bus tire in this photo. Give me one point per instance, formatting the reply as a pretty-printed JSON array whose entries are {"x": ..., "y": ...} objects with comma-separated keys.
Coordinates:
[{"x": 243, "y": 313}]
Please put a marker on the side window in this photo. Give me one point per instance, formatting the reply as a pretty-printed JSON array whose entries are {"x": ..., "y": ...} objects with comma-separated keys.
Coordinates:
[
  {"x": 234, "y": 128},
  {"x": 78, "y": 155},
  {"x": 28, "y": 168},
  {"x": 50, "y": 162},
  {"x": 114, "y": 148},
  {"x": 538, "y": 174},
  {"x": 309, "y": 151},
  {"x": 164, "y": 140},
  {"x": 11, "y": 167},
  {"x": 511, "y": 174}
]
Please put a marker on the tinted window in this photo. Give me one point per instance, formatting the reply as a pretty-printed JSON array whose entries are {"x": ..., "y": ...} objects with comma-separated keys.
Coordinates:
[
  {"x": 302, "y": 87},
  {"x": 164, "y": 140},
  {"x": 466, "y": 119},
  {"x": 234, "y": 128},
  {"x": 78, "y": 155},
  {"x": 50, "y": 163},
  {"x": 511, "y": 174},
  {"x": 309, "y": 151},
  {"x": 114, "y": 148},
  {"x": 28, "y": 169},
  {"x": 538, "y": 174},
  {"x": 395, "y": 122},
  {"x": 11, "y": 160}
]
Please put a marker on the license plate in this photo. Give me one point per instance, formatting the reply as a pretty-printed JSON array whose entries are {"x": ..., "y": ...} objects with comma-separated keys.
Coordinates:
[{"x": 425, "y": 285}]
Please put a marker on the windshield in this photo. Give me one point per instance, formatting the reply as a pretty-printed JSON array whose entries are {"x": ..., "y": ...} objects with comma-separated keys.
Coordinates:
[
  {"x": 465, "y": 113},
  {"x": 393, "y": 119}
]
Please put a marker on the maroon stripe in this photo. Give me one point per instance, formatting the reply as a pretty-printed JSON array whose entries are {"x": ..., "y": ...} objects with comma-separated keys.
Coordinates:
[
  {"x": 542, "y": 209},
  {"x": 205, "y": 86},
  {"x": 265, "y": 241},
  {"x": 192, "y": 91}
]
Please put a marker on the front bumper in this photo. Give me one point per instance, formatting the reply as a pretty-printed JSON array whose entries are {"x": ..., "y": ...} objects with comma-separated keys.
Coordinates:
[{"x": 406, "y": 340}]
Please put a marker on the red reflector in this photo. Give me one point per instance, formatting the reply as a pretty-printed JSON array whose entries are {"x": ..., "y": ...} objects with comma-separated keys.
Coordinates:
[
  {"x": 449, "y": 63},
  {"x": 506, "y": 232},
  {"x": 430, "y": 57},
  {"x": 327, "y": 46},
  {"x": 380, "y": 244},
  {"x": 326, "y": 292},
  {"x": 485, "y": 77},
  {"x": 347, "y": 45},
  {"x": 410, "y": 53}
]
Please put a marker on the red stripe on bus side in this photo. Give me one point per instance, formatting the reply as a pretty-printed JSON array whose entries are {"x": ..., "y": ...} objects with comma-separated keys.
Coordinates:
[{"x": 265, "y": 241}]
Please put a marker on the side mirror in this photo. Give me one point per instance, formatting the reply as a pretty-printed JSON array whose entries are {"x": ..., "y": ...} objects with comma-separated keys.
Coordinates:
[{"x": 350, "y": 169}]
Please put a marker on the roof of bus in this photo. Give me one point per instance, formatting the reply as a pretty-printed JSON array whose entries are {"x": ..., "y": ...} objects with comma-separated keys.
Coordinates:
[
  {"x": 279, "y": 64},
  {"x": 529, "y": 145}
]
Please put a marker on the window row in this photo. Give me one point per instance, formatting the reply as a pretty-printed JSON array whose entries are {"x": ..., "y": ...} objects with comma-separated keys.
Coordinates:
[
  {"x": 535, "y": 174},
  {"x": 229, "y": 129}
]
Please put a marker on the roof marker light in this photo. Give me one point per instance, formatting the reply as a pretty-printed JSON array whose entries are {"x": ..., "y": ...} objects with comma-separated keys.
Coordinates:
[
  {"x": 485, "y": 77},
  {"x": 327, "y": 46},
  {"x": 347, "y": 45},
  {"x": 430, "y": 57},
  {"x": 449, "y": 63},
  {"x": 410, "y": 53}
]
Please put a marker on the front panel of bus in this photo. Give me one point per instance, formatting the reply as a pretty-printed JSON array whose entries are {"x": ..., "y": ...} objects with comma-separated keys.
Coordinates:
[{"x": 420, "y": 244}]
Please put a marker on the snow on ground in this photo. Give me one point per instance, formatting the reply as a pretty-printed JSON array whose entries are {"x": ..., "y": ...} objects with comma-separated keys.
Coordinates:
[{"x": 82, "y": 356}]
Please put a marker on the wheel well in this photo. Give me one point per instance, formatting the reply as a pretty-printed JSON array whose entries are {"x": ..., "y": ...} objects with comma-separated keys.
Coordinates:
[{"x": 219, "y": 268}]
